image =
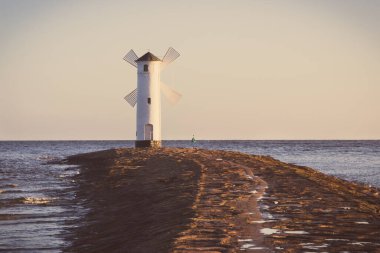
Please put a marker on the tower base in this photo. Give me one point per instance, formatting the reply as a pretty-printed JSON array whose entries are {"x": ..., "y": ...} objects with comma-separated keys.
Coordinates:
[{"x": 147, "y": 144}]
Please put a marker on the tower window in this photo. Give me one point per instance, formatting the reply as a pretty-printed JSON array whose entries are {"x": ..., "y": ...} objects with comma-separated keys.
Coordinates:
[
  {"x": 145, "y": 67},
  {"x": 149, "y": 100}
]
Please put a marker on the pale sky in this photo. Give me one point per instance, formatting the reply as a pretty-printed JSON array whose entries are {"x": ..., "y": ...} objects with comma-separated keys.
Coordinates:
[{"x": 248, "y": 69}]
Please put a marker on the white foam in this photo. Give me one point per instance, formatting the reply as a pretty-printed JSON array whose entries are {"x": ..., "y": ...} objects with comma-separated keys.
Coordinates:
[
  {"x": 247, "y": 246},
  {"x": 360, "y": 243},
  {"x": 47, "y": 158},
  {"x": 37, "y": 201},
  {"x": 269, "y": 231},
  {"x": 316, "y": 247},
  {"x": 361, "y": 222},
  {"x": 267, "y": 216},
  {"x": 245, "y": 240},
  {"x": 296, "y": 232}
]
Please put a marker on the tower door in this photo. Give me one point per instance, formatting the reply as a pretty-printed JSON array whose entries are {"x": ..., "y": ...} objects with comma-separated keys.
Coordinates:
[{"x": 148, "y": 133}]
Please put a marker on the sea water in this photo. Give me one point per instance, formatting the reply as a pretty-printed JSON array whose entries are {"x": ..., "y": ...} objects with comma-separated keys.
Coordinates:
[{"x": 38, "y": 205}]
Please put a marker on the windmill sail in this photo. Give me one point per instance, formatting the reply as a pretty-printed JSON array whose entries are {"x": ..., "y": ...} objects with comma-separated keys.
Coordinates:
[
  {"x": 172, "y": 95},
  {"x": 132, "y": 98},
  {"x": 131, "y": 58},
  {"x": 170, "y": 56}
]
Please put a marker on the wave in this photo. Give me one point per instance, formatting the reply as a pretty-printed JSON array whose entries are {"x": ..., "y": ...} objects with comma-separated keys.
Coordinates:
[
  {"x": 36, "y": 200},
  {"x": 48, "y": 158}
]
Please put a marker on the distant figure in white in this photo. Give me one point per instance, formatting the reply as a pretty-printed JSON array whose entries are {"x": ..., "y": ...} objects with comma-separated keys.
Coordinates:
[{"x": 147, "y": 95}]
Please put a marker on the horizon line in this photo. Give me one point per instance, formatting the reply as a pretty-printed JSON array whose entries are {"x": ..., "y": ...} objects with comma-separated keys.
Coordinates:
[{"x": 199, "y": 140}]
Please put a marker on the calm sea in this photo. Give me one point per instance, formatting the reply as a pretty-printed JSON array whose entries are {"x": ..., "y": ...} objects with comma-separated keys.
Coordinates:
[{"x": 38, "y": 205}]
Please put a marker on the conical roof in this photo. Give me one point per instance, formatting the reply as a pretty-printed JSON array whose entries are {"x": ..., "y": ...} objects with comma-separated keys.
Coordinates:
[{"x": 148, "y": 57}]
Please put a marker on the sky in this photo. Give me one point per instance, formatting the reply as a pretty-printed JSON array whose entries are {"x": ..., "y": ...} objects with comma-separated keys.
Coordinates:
[{"x": 248, "y": 69}]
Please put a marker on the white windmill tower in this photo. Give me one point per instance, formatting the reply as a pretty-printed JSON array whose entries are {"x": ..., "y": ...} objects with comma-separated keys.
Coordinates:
[{"x": 147, "y": 95}]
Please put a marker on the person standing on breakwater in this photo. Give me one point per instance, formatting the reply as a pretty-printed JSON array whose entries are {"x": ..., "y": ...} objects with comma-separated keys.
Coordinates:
[{"x": 193, "y": 140}]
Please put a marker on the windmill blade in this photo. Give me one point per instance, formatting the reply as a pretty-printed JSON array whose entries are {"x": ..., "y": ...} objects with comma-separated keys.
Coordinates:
[
  {"x": 131, "y": 58},
  {"x": 172, "y": 95},
  {"x": 170, "y": 56},
  {"x": 132, "y": 98}
]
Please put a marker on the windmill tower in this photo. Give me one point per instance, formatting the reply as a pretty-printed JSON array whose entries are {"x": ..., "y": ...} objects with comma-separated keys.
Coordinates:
[{"x": 147, "y": 95}]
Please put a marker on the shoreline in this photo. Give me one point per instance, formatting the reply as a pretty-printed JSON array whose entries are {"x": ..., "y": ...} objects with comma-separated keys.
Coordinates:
[{"x": 190, "y": 200}]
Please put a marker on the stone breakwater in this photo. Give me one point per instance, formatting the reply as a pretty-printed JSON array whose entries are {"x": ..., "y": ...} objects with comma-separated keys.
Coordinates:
[{"x": 193, "y": 200}]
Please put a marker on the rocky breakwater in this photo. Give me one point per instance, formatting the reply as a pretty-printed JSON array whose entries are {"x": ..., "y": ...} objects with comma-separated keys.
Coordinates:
[{"x": 193, "y": 200}]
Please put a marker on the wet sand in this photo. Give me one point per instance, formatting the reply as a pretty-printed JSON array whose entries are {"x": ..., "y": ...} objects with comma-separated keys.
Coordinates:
[{"x": 193, "y": 200}]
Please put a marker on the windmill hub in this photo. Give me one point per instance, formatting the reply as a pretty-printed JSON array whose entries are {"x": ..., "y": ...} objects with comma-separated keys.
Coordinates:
[{"x": 147, "y": 95}]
